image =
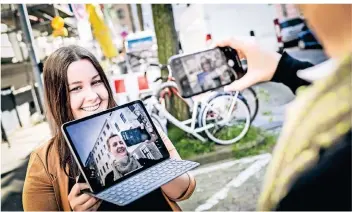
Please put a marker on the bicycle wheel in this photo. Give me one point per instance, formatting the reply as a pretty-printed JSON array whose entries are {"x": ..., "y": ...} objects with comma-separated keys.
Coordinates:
[
  {"x": 252, "y": 101},
  {"x": 248, "y": 96},
  {"x": 158, "y": 123},
  {"x": 214, "y": 120}
]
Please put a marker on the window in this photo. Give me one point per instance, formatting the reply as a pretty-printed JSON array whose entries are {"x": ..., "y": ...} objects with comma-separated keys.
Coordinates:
[
  {"x": 101, "y": 172},
  {"x": 107, "y": 165},
  {"x": 104, "y": 146},
  {"x": 99, "y": 156},
  {"x": 101, "y": 138},
  {"x": 104, "y": 169},
  {"x": 123, "y": 118},
  {"x": 121, "y": 14},
  {"x": 117, "y": 127},
  {"x": 147, "y": 153},
  {"x": 101, "y": 152},
  {"x": 96, "y": 159},
  {"x": 107, "y": 126},
  {"x": 104, "y": 133},
  {"x": 109, "y": 156},
  {"x": 136, "y": 156}
]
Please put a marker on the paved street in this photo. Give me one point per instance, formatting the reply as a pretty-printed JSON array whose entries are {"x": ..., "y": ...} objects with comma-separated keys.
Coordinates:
[
  {"x": 228, "y": 185},
  {"x": 14, "y": 162}
]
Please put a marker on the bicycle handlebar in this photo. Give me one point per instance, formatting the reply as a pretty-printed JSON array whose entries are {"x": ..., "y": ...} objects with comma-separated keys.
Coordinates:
[
  {"x": 154, "y": 64},
  {"x": 160, "y": 78}
]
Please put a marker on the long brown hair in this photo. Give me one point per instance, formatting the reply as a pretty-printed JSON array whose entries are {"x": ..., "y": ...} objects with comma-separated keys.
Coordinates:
[{"x": 57, "y": 98}]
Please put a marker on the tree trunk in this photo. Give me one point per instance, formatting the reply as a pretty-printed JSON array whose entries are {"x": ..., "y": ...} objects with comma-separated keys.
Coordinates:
[
  {"x": 131, "y": 17},
  {"x": 167, "y": 46},
  {"x": 140, "y": 17}
]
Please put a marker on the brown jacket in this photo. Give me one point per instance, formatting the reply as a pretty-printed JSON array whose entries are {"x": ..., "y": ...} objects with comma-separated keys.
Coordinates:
[{"x": 46, "y": 184}]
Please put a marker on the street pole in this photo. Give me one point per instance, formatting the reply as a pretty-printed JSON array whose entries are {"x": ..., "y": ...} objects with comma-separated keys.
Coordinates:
[
  {"x": 4, "y": 136},
  {"x": 140, "y": 17},
  {"x": 27, "y": 32},
  {"x": 129, "y": 7}
]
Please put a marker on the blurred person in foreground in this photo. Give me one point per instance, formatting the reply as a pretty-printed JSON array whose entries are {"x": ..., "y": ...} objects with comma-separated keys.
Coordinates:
[{"x": 311, "y": 164}]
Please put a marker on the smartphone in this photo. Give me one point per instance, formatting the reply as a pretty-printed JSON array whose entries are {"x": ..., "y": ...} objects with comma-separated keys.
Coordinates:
[
  {"x": 206, "y": 70},
  {"x": 135, "y": 136}
]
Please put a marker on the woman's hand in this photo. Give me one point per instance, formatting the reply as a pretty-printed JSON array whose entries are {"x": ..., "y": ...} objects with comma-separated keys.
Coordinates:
[
  {"x": 262, "y": 63},
  {"x": 80, "y": 201}
]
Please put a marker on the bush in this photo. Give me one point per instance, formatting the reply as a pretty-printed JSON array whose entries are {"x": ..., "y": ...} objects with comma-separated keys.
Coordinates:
[
  {"x": 186, "y": 145},
  {"x": 255, "y": 142},
  {"x": 230, "y": 132}
]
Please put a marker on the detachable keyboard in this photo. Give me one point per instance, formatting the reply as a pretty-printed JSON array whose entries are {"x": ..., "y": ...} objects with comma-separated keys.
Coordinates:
[{"x": 145, "y": 182}]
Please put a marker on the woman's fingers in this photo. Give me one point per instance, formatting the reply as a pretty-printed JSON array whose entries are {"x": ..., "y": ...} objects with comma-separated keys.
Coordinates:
[
  {"x": 79, "y": 201},
  {"x": 233, "y": 43},
  {"x": 82, "y": 199},
  {"x": 238, "y": 85},
  {"x": 76, "y": 190},
  {"x": 96, "y": 206},
  {"x": 90, "y": 203}
]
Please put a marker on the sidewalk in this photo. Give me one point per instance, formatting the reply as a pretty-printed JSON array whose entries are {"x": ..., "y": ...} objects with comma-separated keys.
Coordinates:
[{"x": 23, "y": 142}]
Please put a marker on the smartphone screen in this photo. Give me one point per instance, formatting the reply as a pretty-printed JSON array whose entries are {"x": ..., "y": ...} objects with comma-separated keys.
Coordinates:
[
  {"x": 206, "y": 70},
  {"x": 135, "y": 136}
]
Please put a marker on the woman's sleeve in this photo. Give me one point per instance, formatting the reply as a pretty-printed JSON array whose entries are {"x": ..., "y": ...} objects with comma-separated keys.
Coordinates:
[
  {"x": 286, "y": 72},
  {"x": 174, "y": 154},
  {"x": 38, "y": 191}
]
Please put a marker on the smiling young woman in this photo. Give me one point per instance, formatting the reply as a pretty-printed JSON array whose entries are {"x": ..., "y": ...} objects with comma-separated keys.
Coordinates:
[{"x": 75, "y": 87}]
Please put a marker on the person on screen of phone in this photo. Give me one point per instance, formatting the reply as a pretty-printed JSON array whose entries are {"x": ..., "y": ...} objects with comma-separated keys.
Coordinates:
[
  {"x": 75, "y": 87},
  {"x": 310, "y": 169},
  {"x": 209, "y": 78}
]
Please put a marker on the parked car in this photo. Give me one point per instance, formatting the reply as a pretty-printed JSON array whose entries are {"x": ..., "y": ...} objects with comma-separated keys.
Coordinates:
[
  {"x": 307, "y": 40},
  {"x": 290, "y": 30}
]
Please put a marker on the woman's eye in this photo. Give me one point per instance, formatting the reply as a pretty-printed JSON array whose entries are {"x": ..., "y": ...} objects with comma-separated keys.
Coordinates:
[
  {"x": 76, "y": 88},
  {"x": 97, "y": 82}
]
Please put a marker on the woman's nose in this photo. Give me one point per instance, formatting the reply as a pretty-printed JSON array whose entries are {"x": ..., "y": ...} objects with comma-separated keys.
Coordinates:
[{"x": 91, "y": 95}]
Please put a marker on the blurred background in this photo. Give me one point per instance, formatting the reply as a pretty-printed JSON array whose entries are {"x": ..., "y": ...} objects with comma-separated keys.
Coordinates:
[{"x": 123, "y": 37}]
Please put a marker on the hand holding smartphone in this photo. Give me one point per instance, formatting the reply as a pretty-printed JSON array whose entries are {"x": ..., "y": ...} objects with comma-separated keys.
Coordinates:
[{"x": 206, "y": 70}]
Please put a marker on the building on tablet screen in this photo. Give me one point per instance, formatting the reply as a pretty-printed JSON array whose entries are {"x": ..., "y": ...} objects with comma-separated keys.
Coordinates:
[{"x": 127, "y": 141}]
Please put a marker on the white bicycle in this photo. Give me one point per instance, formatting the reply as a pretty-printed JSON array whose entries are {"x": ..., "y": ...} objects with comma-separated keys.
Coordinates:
[{"x": 224, "y": 119}]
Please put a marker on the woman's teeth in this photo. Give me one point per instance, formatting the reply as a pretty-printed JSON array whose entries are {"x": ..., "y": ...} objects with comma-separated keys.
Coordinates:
[
  {"x": 91, "y": 108},
  {"x": 120, "y": 150}
]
